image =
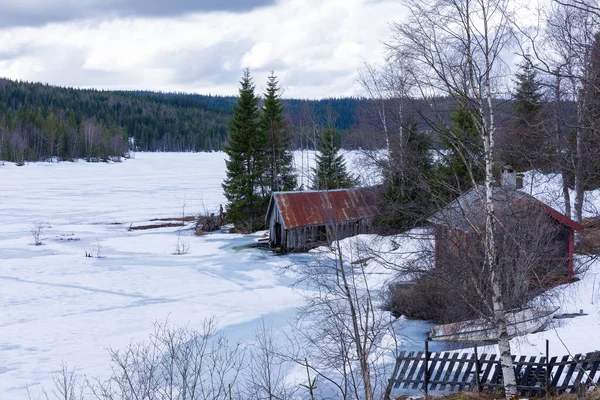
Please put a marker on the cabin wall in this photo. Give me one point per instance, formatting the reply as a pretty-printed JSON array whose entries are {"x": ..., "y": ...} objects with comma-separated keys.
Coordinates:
[
  {"x": 308, "y": 237},
  {"x": 563, "y": 243},
  {"x": 451, "y": 245}
]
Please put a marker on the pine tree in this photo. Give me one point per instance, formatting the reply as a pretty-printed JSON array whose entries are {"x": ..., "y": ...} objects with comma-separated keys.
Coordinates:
[
  {"x": 278, "y": 159},
  {"x": 528, "y": 97},
  {"x": 527, "y": 145},
  {"x": 246, "y": 205},
  {"x": 330, "y": 172}
]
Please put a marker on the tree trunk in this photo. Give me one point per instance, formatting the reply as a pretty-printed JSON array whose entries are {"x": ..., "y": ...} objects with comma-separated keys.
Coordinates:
[
  {"x": 491, "y": 257},
  {"x": 560, "y": 157},
  {"x": 578, "y": 167},
  {"x": 361, "y": 353},
  {"x": 491, "y": 261}
]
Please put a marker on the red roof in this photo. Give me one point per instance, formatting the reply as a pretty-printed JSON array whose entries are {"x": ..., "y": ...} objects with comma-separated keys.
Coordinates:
[
  {"x": 563, "y": 218},
  {"x": 326, "y": 206}
]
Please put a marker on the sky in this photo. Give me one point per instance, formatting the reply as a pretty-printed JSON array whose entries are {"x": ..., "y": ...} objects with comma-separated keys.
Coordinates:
[{"x": 315, "y": 47}]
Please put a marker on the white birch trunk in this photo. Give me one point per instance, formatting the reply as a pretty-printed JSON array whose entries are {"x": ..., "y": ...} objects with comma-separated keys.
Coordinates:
[{"x": 491, "y": 256}]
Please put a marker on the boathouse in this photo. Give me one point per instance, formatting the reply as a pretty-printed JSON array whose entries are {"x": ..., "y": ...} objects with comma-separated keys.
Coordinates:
[{"x": 299, "y": 221}]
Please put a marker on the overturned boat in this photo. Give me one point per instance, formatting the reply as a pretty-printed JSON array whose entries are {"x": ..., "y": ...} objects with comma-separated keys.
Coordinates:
[{"x": 518, "y": 323}]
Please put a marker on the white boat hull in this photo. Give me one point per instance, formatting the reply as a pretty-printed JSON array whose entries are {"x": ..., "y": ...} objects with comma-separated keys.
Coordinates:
[{"x": 519, "y": 323}]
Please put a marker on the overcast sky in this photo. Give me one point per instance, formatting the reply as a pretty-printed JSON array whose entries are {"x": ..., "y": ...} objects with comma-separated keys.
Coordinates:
[{"x": 315, "y": 47}]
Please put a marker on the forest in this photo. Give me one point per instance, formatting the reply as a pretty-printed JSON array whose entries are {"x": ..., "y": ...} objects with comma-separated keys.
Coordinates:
[{"x": 40, "y": 121}]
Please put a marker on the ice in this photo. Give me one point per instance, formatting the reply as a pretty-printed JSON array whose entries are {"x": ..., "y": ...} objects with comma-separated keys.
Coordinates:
[{"x": 59, "y": 305}]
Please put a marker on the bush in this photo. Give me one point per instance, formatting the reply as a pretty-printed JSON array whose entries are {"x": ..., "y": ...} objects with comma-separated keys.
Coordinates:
[{"x": 429, "y": 298}]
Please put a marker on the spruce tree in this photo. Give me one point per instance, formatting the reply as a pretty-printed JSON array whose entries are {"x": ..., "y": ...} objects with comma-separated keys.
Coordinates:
[
  {"x": 463, "y": 158},
  {"x": 528, "y": 97},
  {"x": 527, "y": 145},
  {"x": 279, "y": 175},
  {"x": 330, "y": 172},
  {"x": 405, "y": 196},
  {"x": 245, "y": 206}
]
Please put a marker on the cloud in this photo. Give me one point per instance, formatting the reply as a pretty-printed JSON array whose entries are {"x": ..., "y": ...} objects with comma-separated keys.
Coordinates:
[
  {"x": 316, "y": 47},
  {"x": 40, "y": 12},
  {"x": 258, "y": 57}
]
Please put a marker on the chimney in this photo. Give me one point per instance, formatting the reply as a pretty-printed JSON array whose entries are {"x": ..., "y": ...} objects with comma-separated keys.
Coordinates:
[
  {"x": 520, "y": 178},
  {"x": 509, "y": 177}
]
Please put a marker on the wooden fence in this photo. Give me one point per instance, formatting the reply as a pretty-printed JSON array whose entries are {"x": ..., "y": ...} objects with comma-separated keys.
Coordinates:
[{"x": 450, "y": 372}]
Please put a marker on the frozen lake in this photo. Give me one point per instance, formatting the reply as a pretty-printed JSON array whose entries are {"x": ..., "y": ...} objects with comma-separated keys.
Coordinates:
[{"x": 58, "y": 305}]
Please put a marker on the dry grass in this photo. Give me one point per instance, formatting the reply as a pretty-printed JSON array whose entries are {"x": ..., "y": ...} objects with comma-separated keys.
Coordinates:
[
  {"x": 590, "y": 237},
  {"x": 591, "y": 395}
]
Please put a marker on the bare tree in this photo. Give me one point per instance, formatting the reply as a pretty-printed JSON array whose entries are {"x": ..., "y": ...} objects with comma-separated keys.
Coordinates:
[
  {"x": 562, "y": 44},
  {"x": 341, "y": 325},
  {"x": 582, "y": 5},
  {"x": 181, "y": 246},
  {"x": 307, "y": 137},
  {"x": 267, "y": 368},
  {"x": 66, "y": 386},
  {"x": 177, "y": 363},
  {"x": 36, "y": 231},
  {"x": 455, "y": 48},
  {"x": 387, "y": 87}
]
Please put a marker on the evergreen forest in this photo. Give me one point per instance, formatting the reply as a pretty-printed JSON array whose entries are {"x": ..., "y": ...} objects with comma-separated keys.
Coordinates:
[{"x": 41, "y": 122}]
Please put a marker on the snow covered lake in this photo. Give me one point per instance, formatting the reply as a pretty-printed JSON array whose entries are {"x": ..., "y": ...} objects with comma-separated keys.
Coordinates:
[{"x": 59, "y": 305}]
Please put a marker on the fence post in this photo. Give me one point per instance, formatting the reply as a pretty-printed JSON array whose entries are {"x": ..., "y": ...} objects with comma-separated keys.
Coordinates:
[
  {"x": 547, "y": 375},
  {"x": 477, "y": 371},
  {"x": 426, "y": 367}
]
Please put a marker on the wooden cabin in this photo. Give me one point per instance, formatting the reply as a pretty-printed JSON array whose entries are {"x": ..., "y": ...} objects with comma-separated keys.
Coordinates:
[
  {"x": 299, "y": 221},
  {"x": 459, "y": 227}
]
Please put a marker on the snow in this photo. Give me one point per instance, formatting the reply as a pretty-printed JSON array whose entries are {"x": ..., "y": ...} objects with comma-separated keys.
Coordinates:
[
  {"x": 580, "y": 334},
  {"x": 58, "y": 305},
  {"x": 548, "y": 188}
]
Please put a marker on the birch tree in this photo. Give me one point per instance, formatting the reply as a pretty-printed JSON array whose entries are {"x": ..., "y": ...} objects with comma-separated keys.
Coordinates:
[
  {"x": 571, "y": 32},
  {"x": 455, "y": 49},
  {"x": 562, "y": 44}
]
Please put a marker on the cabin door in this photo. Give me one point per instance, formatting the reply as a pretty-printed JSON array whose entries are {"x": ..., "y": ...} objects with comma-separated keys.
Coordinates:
[
  {"x": 322, "y": 234},
  {"x": 278, "y": 234}
]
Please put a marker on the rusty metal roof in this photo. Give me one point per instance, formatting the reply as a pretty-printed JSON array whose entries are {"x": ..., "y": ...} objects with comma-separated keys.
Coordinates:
[{"x": 321, "y": 207}]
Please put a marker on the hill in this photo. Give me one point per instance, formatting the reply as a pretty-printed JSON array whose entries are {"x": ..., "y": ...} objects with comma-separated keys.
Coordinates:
[{"x": 39, "y": 121}]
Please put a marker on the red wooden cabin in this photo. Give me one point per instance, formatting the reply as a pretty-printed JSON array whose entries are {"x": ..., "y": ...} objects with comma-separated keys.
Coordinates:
[{"x": 456, "y": 225}]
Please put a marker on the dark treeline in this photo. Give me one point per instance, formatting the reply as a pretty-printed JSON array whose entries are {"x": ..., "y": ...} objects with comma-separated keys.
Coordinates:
[{"x": 39, "y": 121}]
